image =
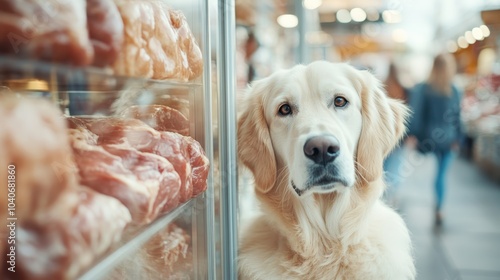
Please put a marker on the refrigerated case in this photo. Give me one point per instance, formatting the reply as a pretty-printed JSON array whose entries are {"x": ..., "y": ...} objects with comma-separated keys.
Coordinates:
[{"x": 203, "y": 241}]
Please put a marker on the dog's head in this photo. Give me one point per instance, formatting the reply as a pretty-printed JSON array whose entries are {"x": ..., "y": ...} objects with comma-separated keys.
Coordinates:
[{"x": 329, "y": 125}]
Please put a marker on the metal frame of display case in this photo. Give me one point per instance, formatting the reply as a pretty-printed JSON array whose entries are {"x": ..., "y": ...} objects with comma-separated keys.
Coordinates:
[{"x": 227, "y": 139}]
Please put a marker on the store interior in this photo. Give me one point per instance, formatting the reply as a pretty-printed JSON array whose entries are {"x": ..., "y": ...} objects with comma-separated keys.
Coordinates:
[{"x": 118, "y": 122}]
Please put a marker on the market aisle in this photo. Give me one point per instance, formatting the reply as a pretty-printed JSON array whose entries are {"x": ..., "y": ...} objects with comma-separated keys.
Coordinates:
[{"x": 467, "y": 246}]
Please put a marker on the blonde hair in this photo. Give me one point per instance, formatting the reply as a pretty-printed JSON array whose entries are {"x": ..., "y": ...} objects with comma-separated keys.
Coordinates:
[{"x": 444, "y": 69}]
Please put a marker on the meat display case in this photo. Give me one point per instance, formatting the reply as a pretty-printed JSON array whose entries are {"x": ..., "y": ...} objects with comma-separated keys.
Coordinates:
[{"x": 208, "y": 245}]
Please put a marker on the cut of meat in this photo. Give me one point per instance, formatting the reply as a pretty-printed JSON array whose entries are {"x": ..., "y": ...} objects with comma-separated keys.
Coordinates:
[
  {"x": 56, "y": 247},
  {"x": 106, "y": 174},
  {"x": 61, "y": 226},
  {"x": 200, "y": 166},
  {"x": 105, "y": 27},
  {"x": 116, "y": 131},
  {"x": 54, "y": 31},
  {"x": 187, "y": 44},
  {"x": 145, "y": 183},
  {"x": 166, "y": 256},
  {"x": 158, "y": 43},
  {"x": 165, "y": 249},
  {"x": 159, "y": 117},
  {"x": 115, "y": 136},
  {"x": 172, "y": 147},
  {"x": 34, "y": 140},
  {"x": 152, "y": 172}
]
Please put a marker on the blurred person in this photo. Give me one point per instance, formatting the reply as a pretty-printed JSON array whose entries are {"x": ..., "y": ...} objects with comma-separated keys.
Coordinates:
[
  {"x": 393, "y": 162},
  {"x": 251, "y": 46},
  {"x": 435, "y": 125}
]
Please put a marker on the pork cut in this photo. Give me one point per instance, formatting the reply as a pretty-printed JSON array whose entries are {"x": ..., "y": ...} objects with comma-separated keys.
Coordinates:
[
  {"x": 50, "y": 30},
  {"x": 106, "y": 32},
  {"x": 143, "y": 182},
  {"x": 159, "y": 117},
  {"x": 158, "y": 43},
  {"x": 67, "y": 238}
]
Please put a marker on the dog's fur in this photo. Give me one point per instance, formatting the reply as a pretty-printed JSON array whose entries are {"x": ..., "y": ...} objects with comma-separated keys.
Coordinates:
[{"x": 341, "y": 230}]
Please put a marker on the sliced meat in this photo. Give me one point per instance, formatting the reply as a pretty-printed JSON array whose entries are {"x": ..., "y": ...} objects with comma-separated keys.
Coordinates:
[
  {"x": 106, "y": 32},
  {"x": 50, "y": 30},
  {"x": 34, "y": 139},
  {"x": 159, "y": 117},
  {"x": 61, "y": 246},
  {"x": 143, "y": 182},
  {"x": 184, "y": 153},
  {"x": 200, "y": 166},
  {"x": 158, "y": 43},
  {"x": 172, "y": 147}
]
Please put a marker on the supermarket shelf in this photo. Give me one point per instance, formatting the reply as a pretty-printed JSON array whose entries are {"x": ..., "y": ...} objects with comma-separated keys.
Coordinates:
[
  {"x": 109, "y": 262},
  {"x": 18, "y": 73}
]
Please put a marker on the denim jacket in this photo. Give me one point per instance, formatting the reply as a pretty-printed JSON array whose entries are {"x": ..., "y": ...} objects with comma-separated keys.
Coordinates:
[{"x": 436, "y": 118}]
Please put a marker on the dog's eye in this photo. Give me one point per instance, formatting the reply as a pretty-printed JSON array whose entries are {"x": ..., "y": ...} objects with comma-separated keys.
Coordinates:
[
  {"x": 340, "y": 101},
  {"x": 285, "y": 110}
]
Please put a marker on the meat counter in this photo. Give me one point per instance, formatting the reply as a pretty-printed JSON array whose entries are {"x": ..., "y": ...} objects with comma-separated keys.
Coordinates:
[{"x": 105, "y": 140}]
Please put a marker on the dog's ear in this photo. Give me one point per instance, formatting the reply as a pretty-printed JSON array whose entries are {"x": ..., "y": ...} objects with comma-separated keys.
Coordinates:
[
  {"x": 384, "y": 122},
  {"x": 255, "y": 149}
]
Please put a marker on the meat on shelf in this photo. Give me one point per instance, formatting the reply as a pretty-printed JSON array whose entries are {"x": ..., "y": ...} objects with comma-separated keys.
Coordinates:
[
  {"x": 159, "y": 117},
  {"x": 61, "y": 226},
  {"x": 138, "y": 38},
  {"x": 87, "y": 182},
  {"x": 133, "y": 146}
]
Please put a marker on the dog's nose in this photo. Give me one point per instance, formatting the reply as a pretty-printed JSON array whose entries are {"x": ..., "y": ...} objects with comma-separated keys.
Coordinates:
[{"x": 322, "y": 149}]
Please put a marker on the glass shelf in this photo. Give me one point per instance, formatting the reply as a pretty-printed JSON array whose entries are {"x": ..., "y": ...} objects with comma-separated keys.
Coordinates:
[
  {"x": 16, "y": 74},
  {"x": 109, "y": 262}
]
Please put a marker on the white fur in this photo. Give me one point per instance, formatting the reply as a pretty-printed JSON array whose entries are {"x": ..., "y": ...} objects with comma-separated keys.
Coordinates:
[{"x": 343, "y": 233}]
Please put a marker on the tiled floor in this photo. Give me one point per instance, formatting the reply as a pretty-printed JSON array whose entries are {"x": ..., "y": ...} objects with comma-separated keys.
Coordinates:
[{"x": 467, "y": 245}]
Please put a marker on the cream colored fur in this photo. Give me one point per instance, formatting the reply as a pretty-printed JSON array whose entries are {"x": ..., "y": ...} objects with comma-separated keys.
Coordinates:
[{"x": 345, "y": 232}]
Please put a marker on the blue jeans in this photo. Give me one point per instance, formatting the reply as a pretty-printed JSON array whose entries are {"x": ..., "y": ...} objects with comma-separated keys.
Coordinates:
[
  {"x": 444, "y": 159},
  {"x": 392, "y": 168}
]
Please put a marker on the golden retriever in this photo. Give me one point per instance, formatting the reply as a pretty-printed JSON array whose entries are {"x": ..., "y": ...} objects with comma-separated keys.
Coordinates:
[{"x": 314, "y": 138}]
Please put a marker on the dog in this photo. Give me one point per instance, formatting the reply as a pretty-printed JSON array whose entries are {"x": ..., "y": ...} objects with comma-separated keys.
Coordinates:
[{"x": 315, "y": 137}]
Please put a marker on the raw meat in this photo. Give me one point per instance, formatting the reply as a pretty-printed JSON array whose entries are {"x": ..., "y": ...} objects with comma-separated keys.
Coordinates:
[
  {"x": 50, "y": 30},
  {"x": 158, "y": 43},
  {"x": 61, "y": 246},
  {"x": 179, "y": 149},
  {"x": 34, "y": 139},
  {"x": 145, "y": 183},
  {"x": 184, "y": 153},
  {"x": 172, "y": 147},
  {"x": 159, "y": 117},
  {"x": 105, "y": 27},
  {"x": 166, "y": 256},
  {"x": 116, "y": 131},
  {"x": 61, "y": 226},
  {"x": 200, "y": 166}
]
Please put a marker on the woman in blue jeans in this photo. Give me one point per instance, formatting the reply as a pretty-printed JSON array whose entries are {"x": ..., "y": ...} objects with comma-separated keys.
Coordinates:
[
  {"x": 436, "y": 121},
  {"x": 392, "y": 164}
]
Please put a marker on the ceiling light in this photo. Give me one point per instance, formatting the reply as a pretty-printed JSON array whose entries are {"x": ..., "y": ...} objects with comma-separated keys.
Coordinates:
[
  {"x": 391, "y": 16},
  {"x": 451, "y": 46},
  {"x": 343, "y": 16},
  {"x": 312, "y": 4},
  {"x": 486, "y": 30},
  {"x": 462, "y": 42},
  {"x": 477, "y": 33},
  {"x": 358, "y": 14},
  {"x": 373, "y": 15},
  {"x": 470, "y": 39},
  {"x": 288, "y": 21}
]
